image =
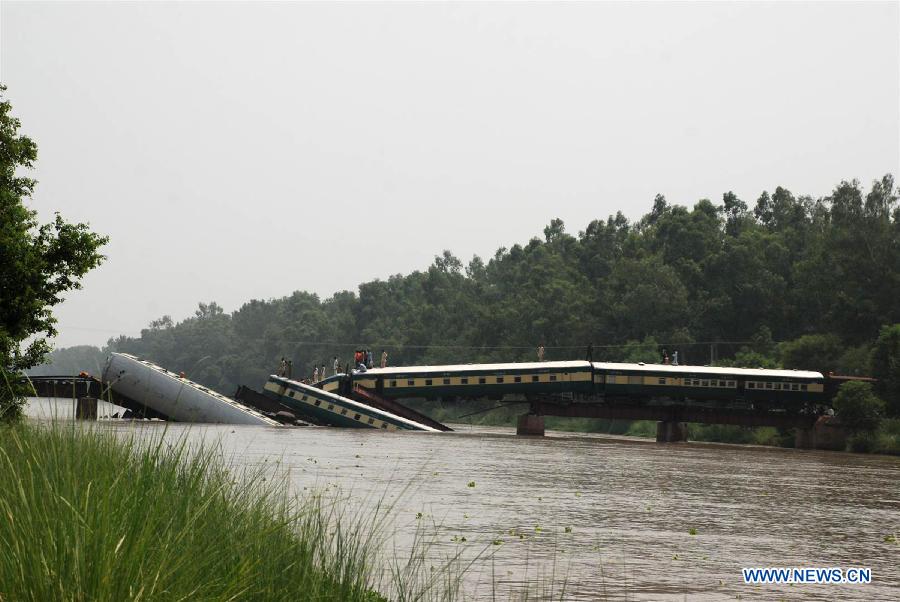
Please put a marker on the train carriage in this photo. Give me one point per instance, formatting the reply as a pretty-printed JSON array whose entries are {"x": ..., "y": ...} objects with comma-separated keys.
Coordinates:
[
  {"x": 789, "y": 389},
  {"x": 479, "y": 380}
]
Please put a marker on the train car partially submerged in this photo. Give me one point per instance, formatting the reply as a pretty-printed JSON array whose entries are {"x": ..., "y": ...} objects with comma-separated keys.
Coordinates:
[
  {"x": 173, "y": 395},
  {"x": 324, "y": 407}
]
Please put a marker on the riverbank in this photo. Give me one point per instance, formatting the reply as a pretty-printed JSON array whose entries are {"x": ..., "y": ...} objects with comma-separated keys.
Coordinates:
[
  {"x": 885, "y": 440},
  {"x": 88, "y": 515}
]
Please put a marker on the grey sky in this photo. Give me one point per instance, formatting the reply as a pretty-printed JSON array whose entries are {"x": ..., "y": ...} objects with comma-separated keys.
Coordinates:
[{"x": 238, "y": 151}]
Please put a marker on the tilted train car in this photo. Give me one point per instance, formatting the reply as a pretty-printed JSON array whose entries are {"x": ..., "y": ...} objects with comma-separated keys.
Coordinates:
[{"x": 331, "y": 409}]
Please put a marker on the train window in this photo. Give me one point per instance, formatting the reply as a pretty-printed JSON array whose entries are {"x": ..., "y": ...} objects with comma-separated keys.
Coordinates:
[
  {"x": 427, "y": 382},
  {"x": 446, "y": 381},
  {"x": 517, "y": 379},
  {"x": 464, "y": 381},
  {"x": 705, "y": 383},
  {"x": 803, "y": 387},
  {"x": 534, "y": 378},
  {"x": 552, "y": 377},
  {"x": 356, "y": 417},
  {"x": 731, "y": 383},
  {"x": 722, "y": 383},
  {"x": 371, "y": 421},
  {"x": 304, "y": 398},
  {"x": 662, "y": 381},
  {"x": 393, "y": 383},
  {"x": 481, "y": 381},
  {"x": 751, "y": 385},
  {"x": 795, "y": 387},
  {"x": 768, "y": 385},
  {"x": 318, "y": 402},
  {"x": 330, "y": 406},
  {"x": 384, "y": 425},
  {"x": 499, "y": 380},
  {"x": 410, "y": 382},
  {"x": 343, "y": 411},
  {"x": 291, "y": 393}
]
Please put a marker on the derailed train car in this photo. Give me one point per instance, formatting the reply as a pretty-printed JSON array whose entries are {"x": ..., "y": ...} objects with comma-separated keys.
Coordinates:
[{"x": 173, "y": 395}]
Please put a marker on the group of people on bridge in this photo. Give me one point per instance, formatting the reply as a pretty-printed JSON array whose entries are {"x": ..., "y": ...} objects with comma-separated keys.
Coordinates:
[{"x": 363, "y": 360}]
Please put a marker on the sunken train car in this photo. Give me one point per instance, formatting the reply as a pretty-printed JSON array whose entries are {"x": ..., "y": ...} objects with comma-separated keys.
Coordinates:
[
  {"x": 582, "y": 380},
  {"x": 324, "y": 407}
]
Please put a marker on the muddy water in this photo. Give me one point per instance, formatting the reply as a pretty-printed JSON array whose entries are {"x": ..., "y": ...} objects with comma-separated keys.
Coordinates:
[{"x": 611, "y": 518}]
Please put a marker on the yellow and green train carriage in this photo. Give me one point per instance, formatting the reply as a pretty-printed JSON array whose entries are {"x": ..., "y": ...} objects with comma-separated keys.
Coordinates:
[{"x": 759, "y": 388}]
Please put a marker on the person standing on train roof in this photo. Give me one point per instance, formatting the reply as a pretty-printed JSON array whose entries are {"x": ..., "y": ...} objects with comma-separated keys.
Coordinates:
[
  {"x": 541, "y": 352},
  {"x": 665, "y": 357},
  {"x": 370, "y": 360},
  {"x": 383, "y": 358},
  {"x": 336, "y": 365},
  {"x": 290, "y": 368},
  {"x": 590, "y": 353},
  {"x": 322, "y": 371},
  {"x": 282, "y": 367},
  {"x": 674, "y": 358},
  {"x": 316, "y": 374}
]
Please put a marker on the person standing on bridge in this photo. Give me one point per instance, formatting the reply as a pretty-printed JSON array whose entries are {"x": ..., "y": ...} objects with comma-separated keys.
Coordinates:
[
  {"x": 541, "y": 352},
  {"x": 383, "y": 358}
]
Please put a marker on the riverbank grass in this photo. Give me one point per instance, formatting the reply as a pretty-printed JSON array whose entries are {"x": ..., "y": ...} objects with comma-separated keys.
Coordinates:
[{"x": 85, "y": 515}]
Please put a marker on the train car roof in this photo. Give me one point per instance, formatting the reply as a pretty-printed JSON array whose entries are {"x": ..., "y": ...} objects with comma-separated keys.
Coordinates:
[
  {"x": 570, "y": 365},
  {"x": 682, "y": 369}
]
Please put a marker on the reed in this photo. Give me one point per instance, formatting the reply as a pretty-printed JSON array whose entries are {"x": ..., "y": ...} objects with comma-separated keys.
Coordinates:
[{"x": 86, "y": 515}]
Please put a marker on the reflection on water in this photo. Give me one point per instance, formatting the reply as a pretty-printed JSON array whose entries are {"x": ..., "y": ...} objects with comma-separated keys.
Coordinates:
[{"x": 615, "y": 515}]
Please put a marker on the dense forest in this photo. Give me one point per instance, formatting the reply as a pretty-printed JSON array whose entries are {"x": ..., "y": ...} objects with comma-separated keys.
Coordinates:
[{"x": 787, "y": 280}]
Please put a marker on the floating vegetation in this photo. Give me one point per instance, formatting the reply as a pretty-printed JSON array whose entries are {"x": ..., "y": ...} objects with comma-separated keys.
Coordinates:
[
  {"x": 568, "y": 529},
  {"x": 471, "y": 484},
  {"x": 419, "y": 515},
  {"x": 890, "y": 539},
  {"x": 692, "y": 531},
  {"x": 497, "y": 542}
]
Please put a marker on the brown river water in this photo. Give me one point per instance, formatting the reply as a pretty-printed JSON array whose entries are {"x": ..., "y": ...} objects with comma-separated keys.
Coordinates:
[{"x": 598, "y": 517}]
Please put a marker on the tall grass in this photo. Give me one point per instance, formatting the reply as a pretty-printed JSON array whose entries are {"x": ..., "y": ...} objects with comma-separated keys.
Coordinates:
[{"x": 87, "y": 516}]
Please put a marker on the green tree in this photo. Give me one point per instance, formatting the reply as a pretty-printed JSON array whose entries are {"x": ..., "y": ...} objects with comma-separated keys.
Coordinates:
[
  {"x": 859, "y": 409},
  {"x": 38, "y": 264},
  {"x": 886, "y": 366},
  {"x": 821, "y": 352}
]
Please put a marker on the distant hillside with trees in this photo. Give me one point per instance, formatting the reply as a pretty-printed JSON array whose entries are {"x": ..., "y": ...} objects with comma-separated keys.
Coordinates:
[{"x": 785, "y": 280}]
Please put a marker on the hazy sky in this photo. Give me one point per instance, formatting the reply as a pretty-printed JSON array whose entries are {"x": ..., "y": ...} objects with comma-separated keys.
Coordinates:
[{"x": 239, "y": 151}]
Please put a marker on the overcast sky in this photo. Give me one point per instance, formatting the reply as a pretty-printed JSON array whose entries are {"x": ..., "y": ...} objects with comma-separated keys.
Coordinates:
[{"x": 239, "y": 151}]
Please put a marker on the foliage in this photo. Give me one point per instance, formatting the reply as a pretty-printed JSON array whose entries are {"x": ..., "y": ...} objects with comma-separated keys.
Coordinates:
[
  {"x": 886, "y": 366},
  {"x": 859, "y": 409},
  {"x": 821, "y": 352},
  {"x": 38, "y": 264}
]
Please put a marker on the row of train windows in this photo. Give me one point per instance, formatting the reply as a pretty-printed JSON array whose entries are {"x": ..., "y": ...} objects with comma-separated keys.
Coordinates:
[
  {"x": 693, "y": 382},
  {"x": 370, "y": 420},
  {"x": 776, "y": 386},
  {"x": 481, "y": 380}
]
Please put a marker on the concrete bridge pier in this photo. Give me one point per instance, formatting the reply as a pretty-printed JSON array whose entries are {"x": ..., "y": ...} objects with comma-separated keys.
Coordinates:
[
  {"x": 670, "y": 431},
  {"x": 531, "y": 425},
  {"x": 86, "y": 408}
]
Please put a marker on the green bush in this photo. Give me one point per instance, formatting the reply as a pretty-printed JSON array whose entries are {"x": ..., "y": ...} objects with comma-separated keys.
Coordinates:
[{"x": 859, "y": 409}]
